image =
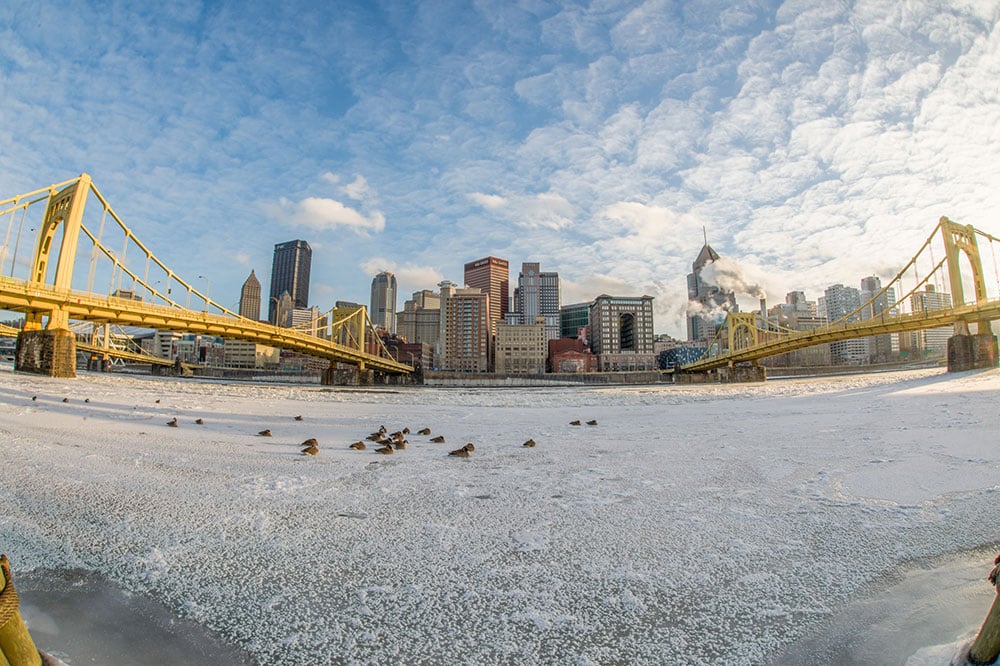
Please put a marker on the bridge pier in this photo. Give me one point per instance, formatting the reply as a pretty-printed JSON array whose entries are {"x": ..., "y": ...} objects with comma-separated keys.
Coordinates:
[
  {"x": 742, "y": 374},
  {"x": 972, "y": 352},
  {"x": 737, "y": 374},
  {"x": 49, "y": 352},
  {"x": 334, "y": 376}
]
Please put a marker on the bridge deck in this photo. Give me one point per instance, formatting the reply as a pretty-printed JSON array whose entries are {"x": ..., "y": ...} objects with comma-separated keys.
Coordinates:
[
  {"x": 23, "y": 296},
  {"x": 881, "y": 325}
]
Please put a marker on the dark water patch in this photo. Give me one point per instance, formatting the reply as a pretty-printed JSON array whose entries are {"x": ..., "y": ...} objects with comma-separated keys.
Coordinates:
[
  {"x": 939, "y": 603},
  {"x": 82, "y": 618}
]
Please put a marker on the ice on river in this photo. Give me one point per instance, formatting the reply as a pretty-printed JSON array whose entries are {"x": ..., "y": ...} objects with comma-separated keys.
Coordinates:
[{"x": 691, "y": 525}]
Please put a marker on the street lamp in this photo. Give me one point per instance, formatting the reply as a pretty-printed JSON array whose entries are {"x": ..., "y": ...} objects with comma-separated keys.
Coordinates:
[{"x": 208, "y": 290}]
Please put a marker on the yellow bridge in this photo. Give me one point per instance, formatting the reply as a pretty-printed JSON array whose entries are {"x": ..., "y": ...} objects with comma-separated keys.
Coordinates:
[
  {"x": 136, "y": 288},
  {"x": 747, "y": 337}
]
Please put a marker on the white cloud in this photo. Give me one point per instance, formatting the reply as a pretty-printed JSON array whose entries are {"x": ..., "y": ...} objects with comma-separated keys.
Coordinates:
[
  {"x": 357, "y": 189},
  {"x": 727, "y": 274},
  {"x": 491, "y": 201},
  {"x": 409, "y": 277},
  {"x": 547, "y": 210},
  {"x": 322, "y": 214}
]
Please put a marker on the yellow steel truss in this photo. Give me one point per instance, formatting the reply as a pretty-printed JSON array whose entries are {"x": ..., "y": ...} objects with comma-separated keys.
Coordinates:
[
  {"x": 48, "y": 297},
  {"x": 741, "y": 340}
]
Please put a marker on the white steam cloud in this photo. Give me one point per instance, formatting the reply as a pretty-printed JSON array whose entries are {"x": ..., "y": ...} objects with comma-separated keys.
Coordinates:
[{"x": 727, "y": 275}]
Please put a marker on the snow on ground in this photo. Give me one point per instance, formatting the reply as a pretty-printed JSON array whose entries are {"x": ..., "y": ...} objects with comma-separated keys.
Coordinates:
[{"x": 692, "y": 525}]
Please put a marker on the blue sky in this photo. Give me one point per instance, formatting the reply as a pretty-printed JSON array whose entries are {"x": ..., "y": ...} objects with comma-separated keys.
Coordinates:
[{"x": 816, "y": 142}]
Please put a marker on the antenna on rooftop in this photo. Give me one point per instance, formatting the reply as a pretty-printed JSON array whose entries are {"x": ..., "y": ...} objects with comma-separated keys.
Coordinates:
[{"x": 705, "y": 234}]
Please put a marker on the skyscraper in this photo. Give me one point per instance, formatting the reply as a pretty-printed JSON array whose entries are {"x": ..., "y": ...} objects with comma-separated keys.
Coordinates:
[
  {"x": 492, "y": 276},
  {"x": 707, "y": 303},
  {"x": 290, "y": 272},
  {"x": 841, "y": 301},
  {"x": 880, "y": 347},
  {"x": 419, "y": 322},
  {"x": 468, "y": 333},
  {"x": 929, "y": 341},
  {"x": 537, "y": 295},
  {"x": 383, "y": 302},
  {"x": 250, "y": 298}
]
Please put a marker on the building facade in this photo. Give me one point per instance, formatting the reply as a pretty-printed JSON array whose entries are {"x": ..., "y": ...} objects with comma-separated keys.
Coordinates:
[
  {"x": 881, "y": 348},
  {"x": 283, "y": 308},
  {"x": 537, "y": 295},
  {"x": 306, "y": 318},
  {"x": 492, "y": 276},
  {"x": 420, "y": 318},
  {"x": 521, "y": 349},
  {"x": 799, "y": 314},
  {"x": 163, "y": 344},
  {"x": 933, "y": 341},
  {"x": 843, "y": 303},
  {"x": 383, "y": 301},
  {"x": 289, "y": 274},
  {"x": 419, "y": 322},
  {"x": 574, "y": 318},
  {"x": 621, "y": 333},
  {"x": 468, "y": 331},
  {"x": 571, "y": 355},
  {"x": 708, "y": 303},
  {"x": 250, "y": 298},
  {"x": 239, "y": 354}
]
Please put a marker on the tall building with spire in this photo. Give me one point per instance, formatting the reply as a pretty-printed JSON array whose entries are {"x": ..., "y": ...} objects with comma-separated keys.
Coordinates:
[
  {"x": 383, "y": 301},
  {"x": 250, "y": 298},
  {"x": 707, "y": 303},
  {"x": 290, "y": 273}
]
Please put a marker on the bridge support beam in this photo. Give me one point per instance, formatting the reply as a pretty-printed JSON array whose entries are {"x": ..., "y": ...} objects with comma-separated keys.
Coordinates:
[
  {"x": 972, "y": 352},
  {"x": 49, "y": 352}
]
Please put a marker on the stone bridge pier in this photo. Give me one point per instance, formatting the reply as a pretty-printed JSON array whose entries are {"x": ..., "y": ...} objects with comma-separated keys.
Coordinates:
[
  {"x": 49, "y": 352},
  {"x": 972, "y": 352}
]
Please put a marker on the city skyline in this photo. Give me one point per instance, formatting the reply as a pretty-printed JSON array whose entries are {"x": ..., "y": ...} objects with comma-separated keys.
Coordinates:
[
  {"x": 706, "y": 257},
  {"x": 598, "y": 141}
]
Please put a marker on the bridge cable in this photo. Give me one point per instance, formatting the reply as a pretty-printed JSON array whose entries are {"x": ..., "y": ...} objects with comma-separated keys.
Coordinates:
[
  {"x": 24, "y": 214},
  {"x": 996, "y": 273},
  {"x": 95, "y": 253},
  {"x": 6, "y": 240}
]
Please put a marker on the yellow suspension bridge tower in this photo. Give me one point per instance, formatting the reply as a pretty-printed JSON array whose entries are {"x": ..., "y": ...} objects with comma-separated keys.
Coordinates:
[
  {"x": 746, "y": 338},
  {"x": 142, "y": 291}
]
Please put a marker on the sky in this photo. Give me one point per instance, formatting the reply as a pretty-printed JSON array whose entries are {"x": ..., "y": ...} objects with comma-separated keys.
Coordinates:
[{"x": 811, "y": 143}]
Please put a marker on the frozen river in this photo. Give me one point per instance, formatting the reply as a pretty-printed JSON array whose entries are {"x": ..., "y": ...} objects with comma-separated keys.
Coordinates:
[{"x": 740, "y": 524}]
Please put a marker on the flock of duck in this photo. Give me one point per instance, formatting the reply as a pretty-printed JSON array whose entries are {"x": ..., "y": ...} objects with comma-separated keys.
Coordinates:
[{"x": 387, "y": 443}]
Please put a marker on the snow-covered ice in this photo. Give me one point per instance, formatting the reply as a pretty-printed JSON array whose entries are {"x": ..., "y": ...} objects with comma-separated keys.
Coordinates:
[{"x": 692, "y": 525}]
